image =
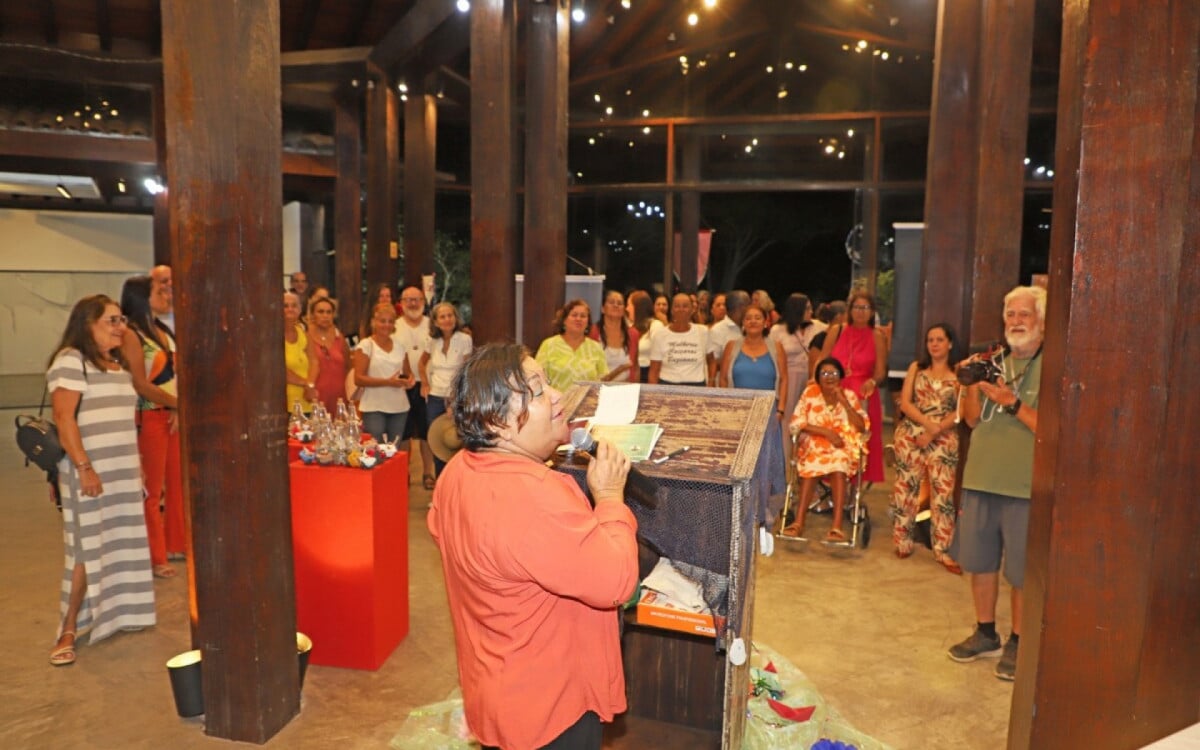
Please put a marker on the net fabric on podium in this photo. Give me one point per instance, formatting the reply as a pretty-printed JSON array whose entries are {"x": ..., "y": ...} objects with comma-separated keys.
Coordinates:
[{"x": 711, "y": 501}]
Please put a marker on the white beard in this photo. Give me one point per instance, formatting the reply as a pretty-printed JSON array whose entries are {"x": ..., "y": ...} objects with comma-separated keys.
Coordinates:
[{"x": 1023, "y": 341}]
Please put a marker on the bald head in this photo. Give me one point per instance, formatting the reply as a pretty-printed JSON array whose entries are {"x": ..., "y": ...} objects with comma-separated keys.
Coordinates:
[{"x": 736, "y": 303}]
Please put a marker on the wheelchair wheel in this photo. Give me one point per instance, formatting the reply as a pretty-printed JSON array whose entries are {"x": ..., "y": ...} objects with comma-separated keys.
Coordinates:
[{"x": 865, "y": 532}]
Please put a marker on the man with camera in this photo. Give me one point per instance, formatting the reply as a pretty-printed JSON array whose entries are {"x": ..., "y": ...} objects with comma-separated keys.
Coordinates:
[{"x": 1000, "y": 403}]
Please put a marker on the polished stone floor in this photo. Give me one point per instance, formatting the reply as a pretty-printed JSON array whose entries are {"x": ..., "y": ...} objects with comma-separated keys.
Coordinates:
[{"x": 871, "y": 631}]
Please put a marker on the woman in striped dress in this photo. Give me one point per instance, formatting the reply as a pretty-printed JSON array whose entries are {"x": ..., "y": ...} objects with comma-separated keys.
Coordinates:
[{"x": 107, "y": 583}]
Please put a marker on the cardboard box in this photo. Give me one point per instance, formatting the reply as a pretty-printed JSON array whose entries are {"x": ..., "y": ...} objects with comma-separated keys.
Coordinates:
[{"x": 659, "y": 611}]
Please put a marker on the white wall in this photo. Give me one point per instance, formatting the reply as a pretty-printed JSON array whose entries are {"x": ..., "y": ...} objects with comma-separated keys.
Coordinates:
[{"x": 50, "y": 259}]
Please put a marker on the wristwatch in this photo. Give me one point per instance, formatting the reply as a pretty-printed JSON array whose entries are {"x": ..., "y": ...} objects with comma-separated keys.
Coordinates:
[{"x": 1014, "y": 407}]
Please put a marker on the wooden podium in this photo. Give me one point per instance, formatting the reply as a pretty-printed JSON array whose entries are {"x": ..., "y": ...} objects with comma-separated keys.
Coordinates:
[{"x": 711, "y": 502}]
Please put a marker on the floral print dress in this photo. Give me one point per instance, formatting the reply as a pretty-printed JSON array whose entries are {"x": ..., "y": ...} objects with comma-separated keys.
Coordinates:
[
  {"x": 816, "y": 456},
  {"x": 935, "y": 398}
]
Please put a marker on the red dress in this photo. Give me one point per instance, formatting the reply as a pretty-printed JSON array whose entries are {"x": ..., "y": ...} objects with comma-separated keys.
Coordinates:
[
  {"x": 331, "y": 380},
  {"x": 855, "y": 349}
]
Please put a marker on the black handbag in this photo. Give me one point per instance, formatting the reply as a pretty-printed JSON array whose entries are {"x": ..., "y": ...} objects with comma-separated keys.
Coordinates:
[{"x": 38, "y": 440}]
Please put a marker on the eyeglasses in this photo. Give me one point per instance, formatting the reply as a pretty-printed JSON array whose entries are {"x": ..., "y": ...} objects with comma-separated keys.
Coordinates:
[
  {"x": 861, "y": 307},
  {"x": 116, "y": 320},
  {"x": 411, "y": 299},
  {"x": 828, "y": 374}
]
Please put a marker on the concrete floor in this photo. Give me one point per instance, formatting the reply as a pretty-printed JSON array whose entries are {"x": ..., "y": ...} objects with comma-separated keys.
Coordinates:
[{"x": 871, "y": 632}]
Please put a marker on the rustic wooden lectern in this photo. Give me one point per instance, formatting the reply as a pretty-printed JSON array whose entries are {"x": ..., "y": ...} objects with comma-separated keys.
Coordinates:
[{"x": 711, "y": 502}]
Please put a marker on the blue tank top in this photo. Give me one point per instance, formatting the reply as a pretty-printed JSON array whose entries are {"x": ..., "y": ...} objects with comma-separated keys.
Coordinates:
[{"x": 758, "y": 375}]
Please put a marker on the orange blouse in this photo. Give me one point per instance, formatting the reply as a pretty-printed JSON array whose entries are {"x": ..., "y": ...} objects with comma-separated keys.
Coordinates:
[{"x": 534, "y": 575}]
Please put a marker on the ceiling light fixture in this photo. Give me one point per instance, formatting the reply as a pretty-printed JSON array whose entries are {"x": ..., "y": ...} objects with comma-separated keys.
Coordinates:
[
  {"x": 626, "y": 4},
  {"x": 710, "y": 4},
  {"x": 62, "y": 190},
  {"x": 693, "y": 19},
  {"x": 578, "y": 13},
  {"x": 121, "y": 186},
  {"x": 463, "y": 6}
]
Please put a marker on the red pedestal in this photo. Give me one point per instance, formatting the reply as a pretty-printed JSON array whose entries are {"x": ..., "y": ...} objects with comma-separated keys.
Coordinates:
[
  {"x": 350, "y": 542},
  {"x": 294, "y": 447}
]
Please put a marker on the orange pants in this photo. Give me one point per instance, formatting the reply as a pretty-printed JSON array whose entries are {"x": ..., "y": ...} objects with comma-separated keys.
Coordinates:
[{"x": 159, "y": 449}]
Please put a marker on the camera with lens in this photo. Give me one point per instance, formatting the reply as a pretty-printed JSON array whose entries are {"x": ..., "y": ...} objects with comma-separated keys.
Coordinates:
[{"x": 970, "y": 373}]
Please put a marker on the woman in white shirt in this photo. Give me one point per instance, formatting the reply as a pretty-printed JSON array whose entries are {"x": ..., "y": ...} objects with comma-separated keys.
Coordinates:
[
  {"x": 381, "y": 370},
  {"x": 679, "y": 352},
  {"x": 447, "y": 348}
]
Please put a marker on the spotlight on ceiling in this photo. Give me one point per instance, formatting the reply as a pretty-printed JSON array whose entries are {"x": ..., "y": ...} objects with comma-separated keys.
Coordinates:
[
  {"x": 578, "y": 13},
  {"x": 62, "y": 190},
  {"x": 463, "y": 6},
  {"x": 693, "y": 19}
]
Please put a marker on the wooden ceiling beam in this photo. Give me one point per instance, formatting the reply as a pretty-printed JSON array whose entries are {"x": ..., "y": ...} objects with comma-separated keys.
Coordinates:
[
  {"x": 417, "y": 25},
  {"x": 627, "y": 24},
  {"x": 103, "y": 25},
  {"x": 68, "y": 147},
  {"x": 442, "y": 47},
  {"x": 49, "y": 22},
  {"x": 671, "y": 54},
  {"x": 358, "y": 19},
  {"x": 324, "y": 65},
  {"x": 53, "y": 63}
]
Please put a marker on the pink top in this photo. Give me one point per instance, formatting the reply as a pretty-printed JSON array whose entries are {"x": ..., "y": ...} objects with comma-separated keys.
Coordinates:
[
  {"x": 534, "y": 575},
  {"x": 331, "y": 378}
]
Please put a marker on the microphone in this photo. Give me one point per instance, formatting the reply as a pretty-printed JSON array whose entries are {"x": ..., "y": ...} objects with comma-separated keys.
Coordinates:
[{"x": 638, "y": 486}]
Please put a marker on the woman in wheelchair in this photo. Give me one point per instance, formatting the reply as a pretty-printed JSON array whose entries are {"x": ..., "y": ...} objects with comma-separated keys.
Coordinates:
[{"x": 831, "y": 427}]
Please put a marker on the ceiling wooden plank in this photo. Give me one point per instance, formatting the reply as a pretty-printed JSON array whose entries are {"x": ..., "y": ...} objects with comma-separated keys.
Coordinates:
[
  {"x": 306, "y": 24},
  {"x": 59, "y": 64},
  {"x": 49, "y": 22},
  {"x": 421, "y": 21},
  {"x": 441, "y": 48},
  {"x": 603, "y": 71},
  {"x": 103, "y": 25},
  {"x": 325, "y": 65}
]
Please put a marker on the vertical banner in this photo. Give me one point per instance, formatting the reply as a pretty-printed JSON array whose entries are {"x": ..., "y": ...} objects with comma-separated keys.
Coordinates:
[{"x": 704, "y": 245}]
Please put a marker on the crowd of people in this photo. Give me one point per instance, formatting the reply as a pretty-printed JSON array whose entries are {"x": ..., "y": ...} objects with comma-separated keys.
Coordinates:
[{"x": 112, "y": 386}]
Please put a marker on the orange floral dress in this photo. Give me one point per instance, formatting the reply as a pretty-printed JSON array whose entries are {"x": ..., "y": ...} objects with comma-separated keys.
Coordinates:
[{"x": 816, "y": 456}]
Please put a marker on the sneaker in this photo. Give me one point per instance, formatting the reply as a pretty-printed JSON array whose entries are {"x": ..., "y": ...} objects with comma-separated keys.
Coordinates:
[
  {"x": 1006, "y": 669},
  {"x": 977, "y": 646}
]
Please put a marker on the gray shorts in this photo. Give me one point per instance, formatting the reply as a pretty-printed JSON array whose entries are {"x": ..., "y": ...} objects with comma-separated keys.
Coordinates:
[{"x": 989, "y": 527}]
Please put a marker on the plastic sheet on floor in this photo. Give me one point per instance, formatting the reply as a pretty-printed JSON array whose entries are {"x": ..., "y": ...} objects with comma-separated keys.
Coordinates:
[
  {"x": 766, "y": 729},
  {"x": 436, "y": 726}
]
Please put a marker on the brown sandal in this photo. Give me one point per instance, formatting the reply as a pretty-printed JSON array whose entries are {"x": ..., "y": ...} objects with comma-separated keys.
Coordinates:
[
  {"x": 835, "y": 535},
  {"x": 795, "y": 529}
]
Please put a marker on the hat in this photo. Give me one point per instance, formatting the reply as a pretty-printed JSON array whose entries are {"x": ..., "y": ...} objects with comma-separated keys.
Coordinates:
[{"x": 443, "y": 437}]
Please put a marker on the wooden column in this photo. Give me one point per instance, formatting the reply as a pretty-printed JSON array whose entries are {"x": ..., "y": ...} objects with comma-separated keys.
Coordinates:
[
  {"x": 1112, "y": 597},
  {"x": 974, "y": 182},
  {"x": 420, "y": 152},
  {"x": 383, "y": 158},
  {"x": 162, "y": 215},
  {"x": 548, "y": 37},
  {"x": 226, "y": 186},
  {"x": 312, "y": 244},
  {"x": 689, "y": 216},
  {"x": 493, "y": 199},
  {"x": 347, "y": 213},
  {"x": 1006, "y": 46}
]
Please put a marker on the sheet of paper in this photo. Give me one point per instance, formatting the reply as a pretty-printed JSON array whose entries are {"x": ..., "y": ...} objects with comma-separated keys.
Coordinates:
[
  {"x": 635, "y": 440},
  {"x": 617, "y": 404}
]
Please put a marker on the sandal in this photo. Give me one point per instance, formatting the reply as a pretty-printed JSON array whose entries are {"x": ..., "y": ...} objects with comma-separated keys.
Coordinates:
[
  {"x": 428, "y": 480},
  {"x": 164, "y": 571},
  {"x": 61, "y": 656},
  {"x": 835, "y": 535},
  {"x": 795, "y": 529}
]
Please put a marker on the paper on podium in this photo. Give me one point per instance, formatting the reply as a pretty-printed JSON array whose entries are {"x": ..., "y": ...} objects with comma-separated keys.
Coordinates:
[
  {"x": 635, "y": 440},
  {"x": 617, "y": 404}
]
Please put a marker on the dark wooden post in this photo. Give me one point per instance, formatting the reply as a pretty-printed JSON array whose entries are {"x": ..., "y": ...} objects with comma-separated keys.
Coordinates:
[
  {"x": 1006, "y": 46},
  {"x": 493, "y": 200},
  {"x": 312, "y": 244},
  {"x": 225, "y": 187},
  {"x": 347, "y": 212},
  {"x": 689, "y": 218},
  {"x": 974, "y": 181},
  {"x": 162, "y": 214},
  {"x": 548, "y": 37},
  {"x": 1112, "y": 595},
  {"x": 420, "y": 152},
  {"x": 383, "y": 158}
]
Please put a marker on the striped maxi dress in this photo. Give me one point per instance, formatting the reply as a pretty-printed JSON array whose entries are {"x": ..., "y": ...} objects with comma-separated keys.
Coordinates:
[{"x": 106, "y": 533}]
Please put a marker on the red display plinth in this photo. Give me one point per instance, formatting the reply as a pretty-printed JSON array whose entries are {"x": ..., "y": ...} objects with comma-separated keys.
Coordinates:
[{"x": 350, "y": 542}]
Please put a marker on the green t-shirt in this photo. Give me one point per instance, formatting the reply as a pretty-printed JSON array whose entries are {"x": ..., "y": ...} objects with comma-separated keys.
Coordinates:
[{"x": 1001, "y": 456}]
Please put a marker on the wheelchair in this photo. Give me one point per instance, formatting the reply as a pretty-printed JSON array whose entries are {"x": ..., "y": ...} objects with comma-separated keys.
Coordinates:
[{"x": 854, "y": 509}]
